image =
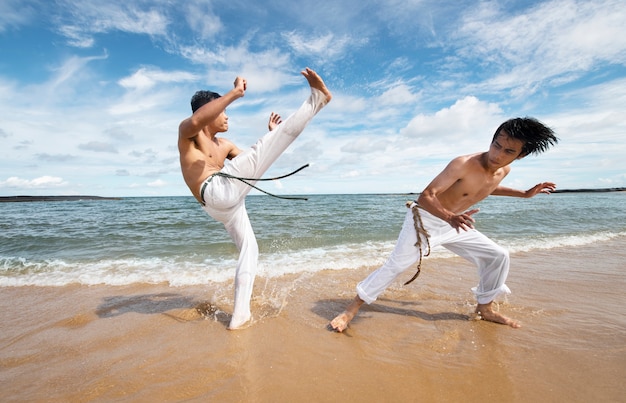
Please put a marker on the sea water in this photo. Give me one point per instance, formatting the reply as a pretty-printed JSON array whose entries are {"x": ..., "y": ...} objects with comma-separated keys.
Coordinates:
[{"x": 171, "y": 240}]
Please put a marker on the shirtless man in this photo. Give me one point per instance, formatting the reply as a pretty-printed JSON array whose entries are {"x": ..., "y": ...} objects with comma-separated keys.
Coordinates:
[
  {"x": 443, "y": 216},
  {"x": 202, "y": 157}
]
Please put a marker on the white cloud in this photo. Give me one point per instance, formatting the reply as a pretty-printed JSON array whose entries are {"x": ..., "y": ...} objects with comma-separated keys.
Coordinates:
[
  {"x": 266, "y": 70},
  {"x": 365, "y": 145},
  {"x": 15, "y": 13},
  {"x": 88, "y": 17},
  {"x": 43, "y": 182},
  {"x": 136, "y": 102},
  {"x": 326, "y": 47},
  {"x": 201, "y": 19},
  {"x": 98, "y": 147},
  {"x": 70, "y": 68},
  {"x": 157, "y": 183},
  {"x": 554, "y": 40},
  {"x": 55, "y": 158},
  {"x": 398, "y": 94},
  {"x": 351, "y": 174},
  {"x": 457, "y": 122},
  {"x": 147, "y": 77},
  {"x": 77, "y": 37}
]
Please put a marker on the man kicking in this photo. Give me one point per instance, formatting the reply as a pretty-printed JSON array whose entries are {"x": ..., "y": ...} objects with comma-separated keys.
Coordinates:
[
  {"x": 202, "y": 156},
  {"x": 440, "y": 216}
]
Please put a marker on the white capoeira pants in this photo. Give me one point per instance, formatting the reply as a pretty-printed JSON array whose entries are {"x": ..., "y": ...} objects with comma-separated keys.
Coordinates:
[
  {"x": 491, "y": 259},
  {"x": 225, "y": 197}
]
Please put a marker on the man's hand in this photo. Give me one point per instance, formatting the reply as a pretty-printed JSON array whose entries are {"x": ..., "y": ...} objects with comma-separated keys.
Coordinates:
[
  {"x": 463, "y": 221},
  {"x": 543, "y": 187},
  {"x": 241, "y": 85},
  {"x": 275, "y": 120}
]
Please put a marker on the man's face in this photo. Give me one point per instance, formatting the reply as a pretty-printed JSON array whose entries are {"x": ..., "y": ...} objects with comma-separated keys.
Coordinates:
[
  {"x": 220, "y": 124},
  {"x": 504, "y": 150}
]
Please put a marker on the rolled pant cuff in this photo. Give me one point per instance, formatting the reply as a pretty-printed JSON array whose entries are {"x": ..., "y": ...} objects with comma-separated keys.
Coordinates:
[
  {"x": 489, "y": 296},
  {"x": 366, "y": 298}
]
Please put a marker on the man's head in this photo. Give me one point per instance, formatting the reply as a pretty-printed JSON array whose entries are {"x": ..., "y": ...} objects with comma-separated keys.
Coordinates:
[
  {"x": 535, "y": 136},
  {"x": 201, "y": 98}
]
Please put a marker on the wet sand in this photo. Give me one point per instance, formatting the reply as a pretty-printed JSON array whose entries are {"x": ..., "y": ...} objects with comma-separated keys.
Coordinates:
[{"x": 416, "y": 344}]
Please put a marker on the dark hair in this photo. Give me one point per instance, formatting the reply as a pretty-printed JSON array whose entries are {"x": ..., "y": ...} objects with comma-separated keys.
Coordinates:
[
  {"x": 201, "y": 98},
  {"x": 536, "y": 136}
]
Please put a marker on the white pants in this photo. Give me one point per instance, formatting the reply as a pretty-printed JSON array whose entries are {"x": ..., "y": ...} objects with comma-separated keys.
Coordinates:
[
  {"x": 491, "y": 259},
  {"x": 225, "y": 197}
]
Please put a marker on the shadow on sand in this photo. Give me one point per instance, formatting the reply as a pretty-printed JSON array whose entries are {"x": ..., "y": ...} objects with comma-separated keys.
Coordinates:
[
  {"x": 329, "y": 308},
  {"x": 178, "y": 307}
]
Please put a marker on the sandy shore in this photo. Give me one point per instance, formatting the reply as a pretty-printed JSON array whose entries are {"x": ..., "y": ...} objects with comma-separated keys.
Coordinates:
[{"x": 417, "y": 344}]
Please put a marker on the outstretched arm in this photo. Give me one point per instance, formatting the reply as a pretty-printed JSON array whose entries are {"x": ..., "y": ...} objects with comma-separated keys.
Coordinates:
[
  {"x": 543, "y": 187},
  {"x": 207, "y": 113}
]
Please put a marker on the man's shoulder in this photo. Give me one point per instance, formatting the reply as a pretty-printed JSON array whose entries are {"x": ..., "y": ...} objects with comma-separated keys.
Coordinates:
[
  {"x": 463, "y": 159},
  {"x": 224, "y": 142}
]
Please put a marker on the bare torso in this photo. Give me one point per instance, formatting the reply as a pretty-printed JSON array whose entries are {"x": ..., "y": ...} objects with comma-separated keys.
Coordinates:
[
  {"x": 475, "y": 182},
  {"x": 464, "y": 182},
  {"x": 201, "y": 156}
]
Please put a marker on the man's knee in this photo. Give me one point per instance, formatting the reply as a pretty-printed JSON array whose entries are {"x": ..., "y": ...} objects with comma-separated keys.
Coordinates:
[
  {"x": 501, "y": 255},
  {"x": 500, "y": 262},
  {"x": 398, "y": 265}
]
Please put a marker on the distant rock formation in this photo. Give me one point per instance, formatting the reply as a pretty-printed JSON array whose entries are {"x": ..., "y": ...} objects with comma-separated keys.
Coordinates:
[
  {"x": 589, "y": 190},
  {"x": 52, "y": 198}
]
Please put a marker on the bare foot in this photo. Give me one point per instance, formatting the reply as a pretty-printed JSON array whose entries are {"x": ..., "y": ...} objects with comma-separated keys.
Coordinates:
[
  {"x": 240, "y": 322},
  {"x": 315, "y": 81},
  {"x": 340, "y": 323},
  {"x": 487, "y": 313}
]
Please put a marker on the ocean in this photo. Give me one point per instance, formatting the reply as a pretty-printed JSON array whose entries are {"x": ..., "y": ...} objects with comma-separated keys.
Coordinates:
[
  {"x": 129, "y": 301},
  {"x": 171, "y": 240}
]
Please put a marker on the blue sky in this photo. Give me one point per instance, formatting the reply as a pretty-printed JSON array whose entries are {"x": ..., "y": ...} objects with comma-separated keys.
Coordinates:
[{"x": 92, "y": 92}]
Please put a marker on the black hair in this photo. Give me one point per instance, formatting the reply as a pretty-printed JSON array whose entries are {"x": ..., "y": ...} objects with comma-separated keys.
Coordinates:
[
  {"x": 536, "y": 136},
  {"x": 201, "y": 98}
]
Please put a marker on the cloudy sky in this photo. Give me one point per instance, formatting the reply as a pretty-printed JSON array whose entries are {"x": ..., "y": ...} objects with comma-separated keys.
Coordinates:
[{"x": 92, "y": 92}]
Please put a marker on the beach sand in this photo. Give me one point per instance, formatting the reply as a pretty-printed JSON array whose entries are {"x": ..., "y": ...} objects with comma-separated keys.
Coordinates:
[{"x": 416, "y": 344}]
